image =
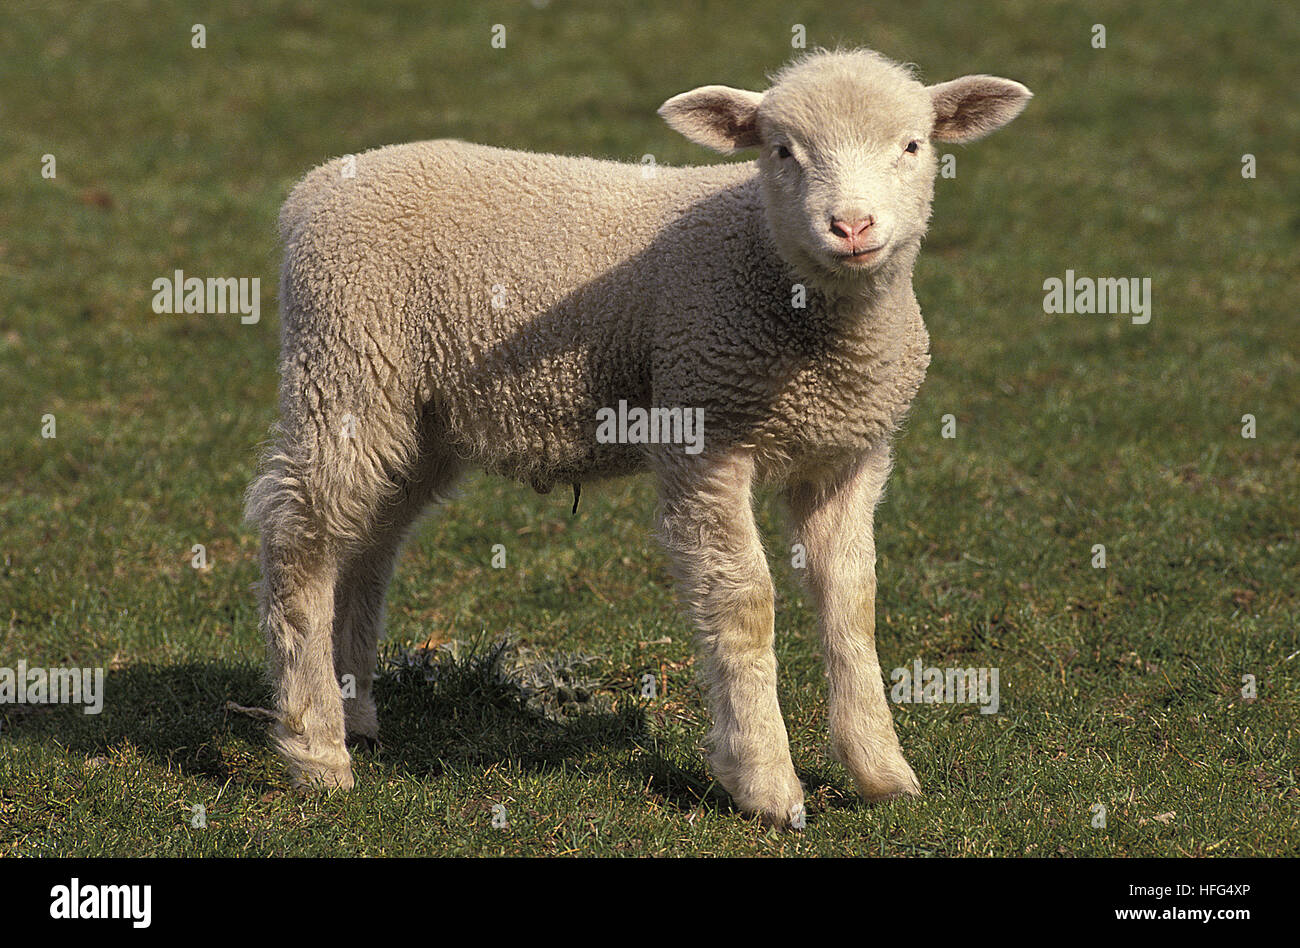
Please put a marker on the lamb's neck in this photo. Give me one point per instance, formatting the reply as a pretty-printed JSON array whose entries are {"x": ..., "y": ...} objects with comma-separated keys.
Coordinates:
[
  {"x": 867, "y": 306},
  {"x": 857, "y": 310}
]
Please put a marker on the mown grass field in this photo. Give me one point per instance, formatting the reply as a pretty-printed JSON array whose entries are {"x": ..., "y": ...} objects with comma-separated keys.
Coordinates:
[{"x": 1119, "y": 686}]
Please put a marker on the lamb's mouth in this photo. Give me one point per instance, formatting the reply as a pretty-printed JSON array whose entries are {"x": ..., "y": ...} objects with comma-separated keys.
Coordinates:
[{"x": 859, "y": 257}]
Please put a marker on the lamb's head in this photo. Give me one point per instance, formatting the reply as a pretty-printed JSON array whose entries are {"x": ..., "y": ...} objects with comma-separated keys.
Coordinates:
[{"x": 847, "y": 154}]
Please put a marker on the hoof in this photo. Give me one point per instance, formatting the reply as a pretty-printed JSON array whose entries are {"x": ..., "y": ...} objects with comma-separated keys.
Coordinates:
[
  {"x": 323, "y": 779},
  {"x": 361, "y": 718},
  {"x": 899, "y": 781},
  {"x": 878, "y": 768},
  {"x": 363, "y": 742},
  {"x": 775, "y": 795},
  {"x": 795, "y": 820}
]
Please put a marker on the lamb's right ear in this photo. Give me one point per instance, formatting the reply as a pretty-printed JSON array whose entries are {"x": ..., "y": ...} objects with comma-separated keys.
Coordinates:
[{"x": 716, "y": 117}]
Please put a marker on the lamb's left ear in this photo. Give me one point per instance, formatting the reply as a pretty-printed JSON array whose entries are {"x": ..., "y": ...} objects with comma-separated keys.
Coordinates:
[
  {"x": 716, "y": 117},
  {"x": 970, "y": 107}
]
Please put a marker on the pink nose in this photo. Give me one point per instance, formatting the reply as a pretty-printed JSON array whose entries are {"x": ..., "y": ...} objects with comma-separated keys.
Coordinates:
[{"x": 851, "y": 229}]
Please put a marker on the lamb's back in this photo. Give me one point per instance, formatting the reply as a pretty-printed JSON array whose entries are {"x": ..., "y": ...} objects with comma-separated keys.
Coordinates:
[{"x": 512, "y": 289}]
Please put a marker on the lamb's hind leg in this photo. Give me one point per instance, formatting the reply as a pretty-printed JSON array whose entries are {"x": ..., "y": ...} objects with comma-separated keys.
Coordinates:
[
  {"x": 360, "y": 591},
  {"x": 315, "y": 502},
  {"x": 299, "y": 570},
  {"x": 707, "y": 525},
  {"x": 833, "y": 520}
]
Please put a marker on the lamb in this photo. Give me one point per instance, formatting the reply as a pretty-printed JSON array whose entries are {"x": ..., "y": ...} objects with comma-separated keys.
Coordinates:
[{"x": 447, "y": 305}]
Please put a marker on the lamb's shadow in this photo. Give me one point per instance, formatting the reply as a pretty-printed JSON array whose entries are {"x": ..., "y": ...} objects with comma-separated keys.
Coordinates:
[
  {"x": 468, "y": 714},
  {"x": 684, "y": 789},
  {"x": 468, "y": 719},
  {"x": 174, "y": 715},
  {"x": 689, "y": 789},
  {"x": 179, "y": 716}
]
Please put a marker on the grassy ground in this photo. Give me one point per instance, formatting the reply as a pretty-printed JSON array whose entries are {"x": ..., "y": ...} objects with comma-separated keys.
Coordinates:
[{"x": 1119, "y": 687}]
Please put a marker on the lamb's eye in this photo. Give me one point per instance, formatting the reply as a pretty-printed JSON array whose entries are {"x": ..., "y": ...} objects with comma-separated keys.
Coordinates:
[
  {"x": 782, "y": 151},
  {"x": 913, "y": 147}
]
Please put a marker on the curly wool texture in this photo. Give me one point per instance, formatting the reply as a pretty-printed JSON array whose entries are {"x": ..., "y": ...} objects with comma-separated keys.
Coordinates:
[{"x": 506, "y": 297}]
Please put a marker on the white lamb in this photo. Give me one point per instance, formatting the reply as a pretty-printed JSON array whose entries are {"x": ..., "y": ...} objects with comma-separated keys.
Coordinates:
[{"x": 451, "y": 305}]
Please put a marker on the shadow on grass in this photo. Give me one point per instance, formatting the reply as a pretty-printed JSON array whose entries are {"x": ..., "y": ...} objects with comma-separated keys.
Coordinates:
[
  {"x": 469, "y": 715},
  {"x": 449, "y": 716},
  {"x": 174, "y": 714},
  {"x": 480, "y": 710},
  {"x": 683, "y": 789},
  {"x": 499, "y": 704},
  {"x": 689, "y": 789}
]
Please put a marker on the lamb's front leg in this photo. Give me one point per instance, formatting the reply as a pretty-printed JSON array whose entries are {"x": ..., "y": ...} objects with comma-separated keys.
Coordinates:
[
  {"x": 833, "y": 520},
  {"x": 707, "y": 525}
]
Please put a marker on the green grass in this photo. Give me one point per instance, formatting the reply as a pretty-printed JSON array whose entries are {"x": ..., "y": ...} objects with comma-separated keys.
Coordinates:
[{"x": 1119, "y": 686}]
